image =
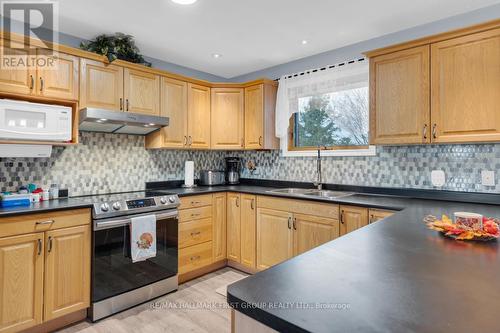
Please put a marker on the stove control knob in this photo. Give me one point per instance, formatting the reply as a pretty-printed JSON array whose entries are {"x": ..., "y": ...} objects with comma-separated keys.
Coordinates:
[
  {"x": 171, "y": 199},
  {"x": 104, "y": 207},
  {"x": 117, "y": 206},
  {"x": 163, "y": 200}
]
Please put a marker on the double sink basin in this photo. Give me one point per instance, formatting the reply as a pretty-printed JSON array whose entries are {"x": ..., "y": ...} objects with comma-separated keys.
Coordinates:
[{"x": 324, "y": 194}]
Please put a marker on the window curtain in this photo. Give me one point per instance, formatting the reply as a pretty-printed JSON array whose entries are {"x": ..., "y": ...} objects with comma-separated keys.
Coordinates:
[{"x": 338, "y": 78}]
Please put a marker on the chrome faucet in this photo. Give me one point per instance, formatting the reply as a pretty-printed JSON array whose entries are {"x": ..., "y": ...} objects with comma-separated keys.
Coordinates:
[{"x": 319, "y": 182}]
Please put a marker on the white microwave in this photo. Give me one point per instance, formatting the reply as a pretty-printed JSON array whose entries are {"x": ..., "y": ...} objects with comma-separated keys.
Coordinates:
[{"x": 20, "y": 120}]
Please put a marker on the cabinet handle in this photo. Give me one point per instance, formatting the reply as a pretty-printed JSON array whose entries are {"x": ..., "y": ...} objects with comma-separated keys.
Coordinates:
[
  {"x": 434, "y": 131},
  {"x": 195, "y": 202},
  {"x": 242, "y": 142},
  {"x": 237, "y": 201},
  {"x": 190, "y": 140},
  {"x": 342, "y": 217},
  {"x": 121, "y": 104},
  {"x": 294, "y": 223},
  {"x": 39, "y": 246},
  {"x": 127, "y": 103},
  {"x": 41, "y": 84},
  {"x": 195, "y": 214},
  {"x": 49, "y": 245},
  {"x": 425, "y": 131},
  {"x": 32, "y": 82},
  {"x": 44, "y": 222},
  {"x": 371, "y": 219},
  {"x": 252, "y": 204},
  {"x": 185, "y": 140},
  {"x": 195, "y": 233},
  {"x": 289, "y": 222},
  {"x": 260, "y": 140},
  {"x": 195, "y": 258}
]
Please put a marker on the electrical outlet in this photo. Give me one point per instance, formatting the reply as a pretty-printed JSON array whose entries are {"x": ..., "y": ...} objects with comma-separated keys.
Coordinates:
[
  {"x": 488, "y": 177},
  {"x": 438, "y": 178}
]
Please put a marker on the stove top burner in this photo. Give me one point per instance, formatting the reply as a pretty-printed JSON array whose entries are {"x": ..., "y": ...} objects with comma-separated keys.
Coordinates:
[{"x": 127, "y": 203}]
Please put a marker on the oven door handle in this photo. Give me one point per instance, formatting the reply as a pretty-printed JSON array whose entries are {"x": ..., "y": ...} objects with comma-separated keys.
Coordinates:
[{"x": 108, "y": 224}]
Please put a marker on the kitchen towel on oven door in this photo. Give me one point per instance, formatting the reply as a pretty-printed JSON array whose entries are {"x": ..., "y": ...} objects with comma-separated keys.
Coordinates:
[{"x": 143, "y": 237}]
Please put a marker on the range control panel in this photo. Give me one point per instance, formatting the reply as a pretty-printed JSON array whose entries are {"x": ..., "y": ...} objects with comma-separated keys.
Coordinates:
[{"x": 140, "y": 203}]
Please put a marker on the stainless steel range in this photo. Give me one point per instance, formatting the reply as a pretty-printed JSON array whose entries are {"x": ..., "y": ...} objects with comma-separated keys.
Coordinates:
[{"x": 117, "y": 283}]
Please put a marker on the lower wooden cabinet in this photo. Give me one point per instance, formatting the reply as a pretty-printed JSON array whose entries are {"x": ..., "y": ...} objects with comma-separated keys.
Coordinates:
[
  {"x": 274, "y": 237},
  {"x": 21, "y": 281},
  {"x": 233, "y": 227},
  {"x": 67, "y": 271},
  {"x": 195, "y": 257},
  {"x": 311, "y": 231},
  {"x": 352, "y": 218},
  {"x": 44, "y": 273},
  {"x": 219, "y": 240},
  {"x": 378, "y": 214}
]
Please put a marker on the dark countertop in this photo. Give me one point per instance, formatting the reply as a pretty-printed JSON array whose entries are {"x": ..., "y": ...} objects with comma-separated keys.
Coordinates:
[{"x": 394, "y": 275}]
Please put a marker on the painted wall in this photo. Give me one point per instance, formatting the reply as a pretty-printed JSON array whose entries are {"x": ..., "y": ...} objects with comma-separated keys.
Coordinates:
[{"x": 356, "y": 50}]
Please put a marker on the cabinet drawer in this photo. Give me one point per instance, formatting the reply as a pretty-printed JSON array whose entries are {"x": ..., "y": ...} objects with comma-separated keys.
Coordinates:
[
  {"x": 195, "y": 232},
  {"x": 23, "y": 224},
  {"x": 195, "y": 213},
  {"x": 194, "y": 257},
  {"x": 328, "y": 210},
  {"x": 195, "y": 201}
]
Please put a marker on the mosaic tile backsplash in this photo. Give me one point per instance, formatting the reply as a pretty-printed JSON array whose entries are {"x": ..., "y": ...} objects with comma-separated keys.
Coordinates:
[{"x": 104, "y": 163}]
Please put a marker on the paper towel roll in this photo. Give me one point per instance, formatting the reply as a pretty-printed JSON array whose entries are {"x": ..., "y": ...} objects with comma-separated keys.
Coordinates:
[{"x": 189, "y": 173}]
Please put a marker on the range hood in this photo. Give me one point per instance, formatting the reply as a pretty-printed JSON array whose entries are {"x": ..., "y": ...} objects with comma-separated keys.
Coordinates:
[{"x": 101, "y": 120}]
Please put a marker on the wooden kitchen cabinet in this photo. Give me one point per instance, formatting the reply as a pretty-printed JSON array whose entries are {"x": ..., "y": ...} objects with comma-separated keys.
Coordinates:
[
  {"x": 260, "y": 107},
  {"x": 101, "y": 85},
  {"x": 465, "y": 90},
  {"x": 311, "y": 231},
  {"x": 352, "y": 218},
  {"x": 67, "y": 271},
  {"x": 274, "y": 237},
  {"x": 227, "y": 118},
  {"x": 21, "y": 282},
  {"x": 399, "y": 97},
  {"x": 21, "y": 80},
  {"x": 378, "y": 214},
  {"x": 248, "y": 230},
  {"x": 234, "y": 227},
  {"x": 60, "y": 82},
  {"x": 219, "y": 238},
  {"x": 198, "y": 116},
  {"x": 141, "y": 91}
]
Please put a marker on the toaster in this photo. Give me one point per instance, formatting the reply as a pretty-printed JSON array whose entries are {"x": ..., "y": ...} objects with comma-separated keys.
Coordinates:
[{"x": 212, "y": 177}]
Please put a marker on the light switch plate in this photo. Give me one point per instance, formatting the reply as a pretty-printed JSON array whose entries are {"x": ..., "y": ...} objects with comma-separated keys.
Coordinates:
[
  {"x": 488, "y": 177},
  {"x": 438, "y": 178}
]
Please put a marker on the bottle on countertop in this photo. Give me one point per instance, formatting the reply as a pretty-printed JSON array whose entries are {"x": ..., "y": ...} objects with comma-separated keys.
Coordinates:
[{"x": 54, "y": 191}]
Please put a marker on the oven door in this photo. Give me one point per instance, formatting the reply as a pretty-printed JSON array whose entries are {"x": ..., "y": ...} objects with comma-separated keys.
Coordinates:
[{"x": 113, "y": 272}]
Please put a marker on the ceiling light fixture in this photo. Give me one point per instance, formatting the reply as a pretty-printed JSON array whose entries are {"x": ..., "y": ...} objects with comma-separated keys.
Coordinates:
[
  {"x": 184, "y": 2},
  {"x": 216, "y": 55},
  {"x": 304, "y": 42}
]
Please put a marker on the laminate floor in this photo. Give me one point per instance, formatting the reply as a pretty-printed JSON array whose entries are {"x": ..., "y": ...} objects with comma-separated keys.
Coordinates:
[{"x": 195, "y": 307}]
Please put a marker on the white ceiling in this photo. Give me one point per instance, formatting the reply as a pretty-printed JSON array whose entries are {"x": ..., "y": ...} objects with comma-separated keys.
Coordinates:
[{"x": 250, "y": 34}]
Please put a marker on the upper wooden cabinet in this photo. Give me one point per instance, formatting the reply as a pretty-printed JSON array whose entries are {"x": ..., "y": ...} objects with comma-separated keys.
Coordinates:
[
  {"x": 227, "y": 118},
  {"x": 198, "y": 116},
  {"x": 141, "y": 91},
  {"x": 101, "y": 85},
  {"x": 260, "y": 108},
  {"x": 352, "y": 218},
  {"x": 21, "y": 282},
  {"x": 21, "y": 80},
  {"x": 399, "y": 97},
  {"x": 441, "y": 89},
  {"x": 466, "y": 88}
]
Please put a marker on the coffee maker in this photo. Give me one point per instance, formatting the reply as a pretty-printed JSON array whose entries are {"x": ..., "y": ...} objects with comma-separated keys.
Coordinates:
[{"x": 233, "y": 170}]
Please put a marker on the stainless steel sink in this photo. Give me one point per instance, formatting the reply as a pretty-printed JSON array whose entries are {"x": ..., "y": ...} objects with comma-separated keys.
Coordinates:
[
  {"x": 291, "y": 191},
  {"x": 328, "y": 194}
]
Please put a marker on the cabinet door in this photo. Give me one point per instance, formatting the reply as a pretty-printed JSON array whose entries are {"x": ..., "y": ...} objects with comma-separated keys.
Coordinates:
[
  {"x": 21, "y": 282},
  {"x": 466, "y": 88},
  {"x": 352, "y": 218},
  {"x": 399, "y": 97},
  {"x": 248, "y": 230},
  {"x": 19, "y": 80},
  {"x": 311, "y": 231},
  {"x": 219, "y": 214},
  {"x": 274, "y": 237},
  {"x": 141, "y": 91},
  {"x": 101, "y": 86},
  {"x": 254, "y": 117},
  {"x": 67, "y": 271},
  {"x": 174, "y": 105},
  {"x": 198, "y": 116},
  {"x": 227, "y": 118},
  {"x": 378, "y": 214},
  {"x": 234, "y": 227},
  {"x": 60, "y": 81}
]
